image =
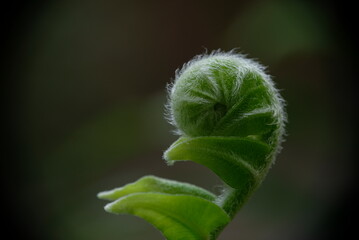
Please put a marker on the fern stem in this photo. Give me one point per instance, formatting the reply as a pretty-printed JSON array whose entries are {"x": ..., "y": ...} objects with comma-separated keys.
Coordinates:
[{"x": 231, "y": 201}]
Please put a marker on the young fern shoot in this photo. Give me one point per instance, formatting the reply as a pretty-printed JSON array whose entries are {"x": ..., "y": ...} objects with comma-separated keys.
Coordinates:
[{"x": 230, "y": 118}]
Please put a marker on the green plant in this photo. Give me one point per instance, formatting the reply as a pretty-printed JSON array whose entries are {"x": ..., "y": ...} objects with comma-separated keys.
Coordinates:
[{"x": 230, "y": 119}]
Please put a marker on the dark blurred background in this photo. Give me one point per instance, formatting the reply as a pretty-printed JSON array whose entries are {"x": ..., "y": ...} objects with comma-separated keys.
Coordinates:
[{"x": 84, "y": 87}]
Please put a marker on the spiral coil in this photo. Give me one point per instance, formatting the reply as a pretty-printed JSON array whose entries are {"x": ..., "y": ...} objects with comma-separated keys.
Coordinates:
[{"x": 230, "y": 118}]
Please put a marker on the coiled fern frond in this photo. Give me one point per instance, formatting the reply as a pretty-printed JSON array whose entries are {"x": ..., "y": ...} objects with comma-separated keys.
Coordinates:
[{"x": 230, "y": 118}]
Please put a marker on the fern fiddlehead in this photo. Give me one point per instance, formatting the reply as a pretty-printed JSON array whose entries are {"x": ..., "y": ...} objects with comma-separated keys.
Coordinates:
[{"x": 230, "y": 118}]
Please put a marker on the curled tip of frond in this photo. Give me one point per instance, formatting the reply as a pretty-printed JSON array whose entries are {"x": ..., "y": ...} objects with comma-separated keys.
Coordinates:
[{"x": 201, "y": 82}]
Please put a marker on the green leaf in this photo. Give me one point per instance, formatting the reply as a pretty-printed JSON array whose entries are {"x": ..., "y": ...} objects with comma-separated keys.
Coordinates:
[
  {"x": 178, "y": 217},
  {"x": 158, "y": 185},
  {"x": 237, "y": 161},
  {"x": 257, "y": 123}
]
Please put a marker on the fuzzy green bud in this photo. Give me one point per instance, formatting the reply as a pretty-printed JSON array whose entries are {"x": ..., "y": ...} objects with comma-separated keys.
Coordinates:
[{"x": 226, "y": 94}]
